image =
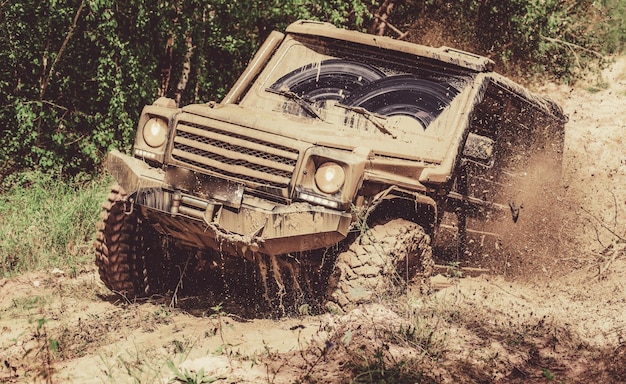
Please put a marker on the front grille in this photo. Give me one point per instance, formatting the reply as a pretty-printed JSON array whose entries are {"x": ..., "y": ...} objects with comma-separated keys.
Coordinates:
[{"x": 236, "y": 154}]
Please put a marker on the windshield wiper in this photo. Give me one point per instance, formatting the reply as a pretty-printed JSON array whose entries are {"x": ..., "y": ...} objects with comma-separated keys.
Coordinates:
[
  {"x": 305, "y": 104},
  {"x": 371, "y": 117}
]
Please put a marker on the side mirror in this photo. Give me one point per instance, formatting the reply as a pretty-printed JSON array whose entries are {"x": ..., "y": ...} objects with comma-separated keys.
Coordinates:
[{"x": 479, "y": 149}]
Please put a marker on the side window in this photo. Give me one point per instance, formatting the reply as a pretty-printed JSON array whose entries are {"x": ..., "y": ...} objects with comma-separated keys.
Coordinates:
[
  {"x": 504, "y": 122},
  {"x": 486, "y": 125},
  {"x": 509, "y": 137},
  {"x": 488, "y": 115},
  {"x": 491, "y": 146}
]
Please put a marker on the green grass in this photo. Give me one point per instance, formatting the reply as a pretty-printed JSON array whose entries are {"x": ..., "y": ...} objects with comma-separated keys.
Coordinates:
[{"x": 47, "y": 222}]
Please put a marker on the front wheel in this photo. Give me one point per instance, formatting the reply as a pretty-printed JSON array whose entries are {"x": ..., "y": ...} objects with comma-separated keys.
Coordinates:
[
  {"x": 129, "y": 255},
  {"x": 384, "y": 258}
]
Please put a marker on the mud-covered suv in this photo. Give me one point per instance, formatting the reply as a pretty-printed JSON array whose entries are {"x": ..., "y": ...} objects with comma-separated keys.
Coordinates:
[{"x": 323, "y": 175}]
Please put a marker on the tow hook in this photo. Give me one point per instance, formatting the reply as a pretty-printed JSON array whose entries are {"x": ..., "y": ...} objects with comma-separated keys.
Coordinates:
[{"x": 129, "y": 210}]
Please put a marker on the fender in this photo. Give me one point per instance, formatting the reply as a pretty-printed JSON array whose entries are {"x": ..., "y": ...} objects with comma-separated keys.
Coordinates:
[{"x": 418, "y": 207}]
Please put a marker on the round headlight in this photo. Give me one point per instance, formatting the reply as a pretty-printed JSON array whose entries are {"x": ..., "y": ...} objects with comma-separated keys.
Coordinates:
[
  {"x": 155, "y": 132},
  {"x": 330, "y": 177}
]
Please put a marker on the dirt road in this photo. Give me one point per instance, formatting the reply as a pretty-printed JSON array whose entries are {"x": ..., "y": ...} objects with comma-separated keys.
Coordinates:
[{"x": 566, "y": 323}]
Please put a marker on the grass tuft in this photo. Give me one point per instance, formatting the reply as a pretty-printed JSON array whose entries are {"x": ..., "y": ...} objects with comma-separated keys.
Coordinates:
[{"x": 47, "y": 222}]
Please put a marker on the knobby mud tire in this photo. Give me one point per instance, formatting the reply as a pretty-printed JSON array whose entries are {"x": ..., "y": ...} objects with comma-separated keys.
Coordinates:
[
  {"x": 383, "y": 260},
  {"x": 121, "y": 245}
]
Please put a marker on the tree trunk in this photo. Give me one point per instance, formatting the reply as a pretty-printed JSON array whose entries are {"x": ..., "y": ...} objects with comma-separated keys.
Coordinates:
[
  {"x": 166, "y": 68},
  {"x": 382, "y": 14},
  {"x": 184, "y": 76}
]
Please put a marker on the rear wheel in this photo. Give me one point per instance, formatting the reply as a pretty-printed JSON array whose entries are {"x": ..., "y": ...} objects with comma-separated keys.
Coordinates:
[
  {"x": 383, "y": 260},
  {"x": 130, "y": 256}
]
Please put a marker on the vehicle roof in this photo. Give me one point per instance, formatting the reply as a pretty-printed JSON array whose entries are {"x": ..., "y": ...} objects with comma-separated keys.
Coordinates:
[{"x": 446, "y": 54}]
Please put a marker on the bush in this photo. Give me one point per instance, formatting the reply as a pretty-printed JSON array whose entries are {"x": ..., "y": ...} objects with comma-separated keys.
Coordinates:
[
  {"x": 558, "y": 39},
  {"x": 76, "y": 74}
]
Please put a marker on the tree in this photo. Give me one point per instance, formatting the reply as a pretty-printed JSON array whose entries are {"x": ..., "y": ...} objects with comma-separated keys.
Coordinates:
[{"x": 75, "y": 74}]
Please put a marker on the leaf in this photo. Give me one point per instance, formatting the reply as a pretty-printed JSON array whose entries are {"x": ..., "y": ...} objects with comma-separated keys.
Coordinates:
[
  {"x": 54, "y": 345},
  {"x": 41, "y": 322}
]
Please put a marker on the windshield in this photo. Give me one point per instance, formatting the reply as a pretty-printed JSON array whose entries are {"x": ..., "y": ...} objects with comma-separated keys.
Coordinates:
[{"x": 356, "y": 87}]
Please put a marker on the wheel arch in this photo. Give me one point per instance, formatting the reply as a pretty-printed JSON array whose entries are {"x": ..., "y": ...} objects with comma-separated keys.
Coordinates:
[{"x": 395, "y": 202}]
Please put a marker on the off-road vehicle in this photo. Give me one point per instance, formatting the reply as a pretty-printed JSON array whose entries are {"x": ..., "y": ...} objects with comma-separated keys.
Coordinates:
[{"x": 322, "y": 176}]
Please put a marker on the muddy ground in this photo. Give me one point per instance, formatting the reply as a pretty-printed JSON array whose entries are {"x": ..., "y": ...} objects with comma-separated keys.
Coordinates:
[{"x": 564, "y": 322}]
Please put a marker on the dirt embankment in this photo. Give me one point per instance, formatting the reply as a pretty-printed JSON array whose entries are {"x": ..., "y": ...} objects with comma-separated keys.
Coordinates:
[{"x": 565, "y": 323}]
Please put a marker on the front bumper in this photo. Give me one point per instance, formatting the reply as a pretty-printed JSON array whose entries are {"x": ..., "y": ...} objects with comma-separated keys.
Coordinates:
[{"x": 207, "y": 213}]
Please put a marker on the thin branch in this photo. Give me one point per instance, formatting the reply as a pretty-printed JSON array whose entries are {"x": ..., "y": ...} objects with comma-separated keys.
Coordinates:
[
  {"x": 46, "y": 80},
  {"x": 604, "y": 225},
  {"x": 382, "y": 15},
  {"x": 75, "y": 141},
  {"x": 572, "y": 45},
  {"x": 55, "y": 105},
  {"x": 614, "y": 209},
  {"x": 401, "y": 35},
  {"x": 605, "y": 267}
]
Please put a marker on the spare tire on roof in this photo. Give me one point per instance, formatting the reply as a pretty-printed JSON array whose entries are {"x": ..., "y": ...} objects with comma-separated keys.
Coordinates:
[
  {"x": 404, "y": 95},
  {"x": 334, "y": 79}
]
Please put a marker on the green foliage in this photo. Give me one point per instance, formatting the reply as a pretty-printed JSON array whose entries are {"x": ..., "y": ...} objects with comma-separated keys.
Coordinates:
[
  {"x": 554, "y": 38},
  {"x": 377, "y": 370},
  {"x": 46, "y": 222},
  {"x": 547, "y": 374},
  {"x": 76, "y": 74},
  {"x": 68, "y": 85},
  {"x": 190, "y": 376},
  {"x": 612, "y": 23}
]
